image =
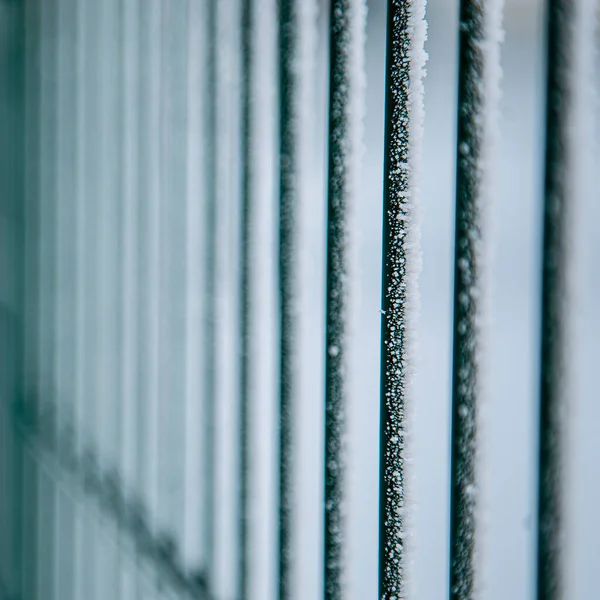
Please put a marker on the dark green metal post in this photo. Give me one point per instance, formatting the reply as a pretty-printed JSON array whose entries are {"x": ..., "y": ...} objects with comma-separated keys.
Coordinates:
[
  {"x": 288, "y": 201},
  {"x": 13, "y": 517},
  {"x": 475, "y": 110},
  {"x": 31, "y": 290},
  {"x": 550, "y": 570},
  {"x": 405, "y": 58},
  {"x": 210, "y": 300},
  {"x": 245, "y": 296},
  {"x": 346, "y": 29}
]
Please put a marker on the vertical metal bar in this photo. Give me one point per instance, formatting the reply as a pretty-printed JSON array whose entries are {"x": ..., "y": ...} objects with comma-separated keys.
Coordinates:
[
  {"x": 109, "y": 252},
  {"x": 401, "y": 260},
  {"x": 11, "y": 301},
  {"x": 550, "y": 552},
  {"x": 81, "y": 562},
  {"x": 87, "y": 126},
  {"x": 130, "y": 300},
  {"x": 210, "y": 303},
  {"x": 478, "y": 48},
  {"x": 288, "y": 199},
  {"x": 148, "y": 256},
  {"x": 346, "y": 29},
  {"x": 196, "y": 191},
  {"x": 47, "y": 497},
  {"x": 32, "y": 284},
  {"x": 172, "y": 271},
  {"x": 65, "y": 271},
  {"x": 245, "y": 296},
  {"x": 91, "y": 34}
]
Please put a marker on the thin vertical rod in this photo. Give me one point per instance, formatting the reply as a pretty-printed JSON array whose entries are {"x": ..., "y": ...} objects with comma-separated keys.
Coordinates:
[
  {"x": 210, "y": 304},
  {"x": 403, "y": 123},
  {"x": 12, "y": 323},
  {"x": 48, "y": 491},
  {"x": 473, "y": 110},
  {"x": 149, "y": 240},
  {"x": 245, "y": 297},
  {"x": 288, "y": 198},
  {"x": 342, "y": 122},
  {"x": 31, "y": 284},
  {"x": 560, "y": 22},
  {"x": 65, "y": 252}
]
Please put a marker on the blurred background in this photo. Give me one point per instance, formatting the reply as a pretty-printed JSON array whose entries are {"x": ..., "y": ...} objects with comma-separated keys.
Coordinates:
[{"x": 110, "y": 229}]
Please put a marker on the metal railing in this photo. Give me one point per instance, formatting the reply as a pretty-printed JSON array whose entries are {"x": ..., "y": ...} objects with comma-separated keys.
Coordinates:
[{"x": 131, "y": 142}]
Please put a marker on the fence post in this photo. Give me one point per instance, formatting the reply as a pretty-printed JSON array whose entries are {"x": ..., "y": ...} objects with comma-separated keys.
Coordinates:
[
  {"x": 245, "y": 294},
  {"x": 570, "y": 48},
  {"x": 346, "y": 87},
  {"x": 478, "y": 91},
  {"x": 406, "y": 32}
]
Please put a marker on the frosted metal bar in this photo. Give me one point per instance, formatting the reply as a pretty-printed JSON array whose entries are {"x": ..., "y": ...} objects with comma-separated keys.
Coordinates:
[
  {"x": 288, "y": 198},
  {"x": 31, "y": 287},
  {"x": 479, "y": 72},
  {"x": 129, "y": 231},
  {"x": 245, "y": 297},
  {"x": 401, "y": 260},
  {"x": 65, "y": 252},
  {"x": 345, "y": 122},
  {"x": 149, "y": 240},
  {"x": 12, "y": 517},
  {"x": 109, "y": 255},
  {"x": 568, "y": 34},
  {"x": 47, "y": 491},
  {"x": 210, "y": 300},
  {"x": 172, "y": 135}
]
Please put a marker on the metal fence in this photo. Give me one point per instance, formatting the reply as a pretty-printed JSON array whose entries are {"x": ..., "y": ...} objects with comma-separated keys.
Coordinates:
[{"x": 160, "y": 163}]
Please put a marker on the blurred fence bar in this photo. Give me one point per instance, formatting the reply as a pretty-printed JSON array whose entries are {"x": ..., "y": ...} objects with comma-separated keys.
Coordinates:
[
  {"x": 13, "y": 503},
  {"x": 345, "y": 123},
  {"x": 560, "y": 23},
  {"x": 478, "y": 84},
  {"x": 571, "y": 39},
  {"x": 289, "y": 84},
  {"x": 246, "y": 260},
  {"x": 210, "y": 245}
]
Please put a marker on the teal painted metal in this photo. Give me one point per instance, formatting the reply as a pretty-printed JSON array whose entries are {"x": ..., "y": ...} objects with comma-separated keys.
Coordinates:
[
  {"x": 476, "y": 83},
  {"x": 288, "y": 207},
  {"x": 558, "y": 205},
  {"x": 210, "y": 300},
  {"x": 405, "y": 58},
  {"x": 247, "y": 218},
  {"x": 345, "y": 121}
]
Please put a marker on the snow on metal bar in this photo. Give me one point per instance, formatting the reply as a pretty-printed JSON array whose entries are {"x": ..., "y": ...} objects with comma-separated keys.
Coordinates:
[
  {"x": 210, "y": 297},
  {"x": 245, "y": 297},
  {"x": 406, "y": 33},
  {"x": 65, "y": 253},
  {"x": 479, "y": 75},
  {"x": 46, "y": 535},
  {"x": 570, "y": 55},
  {"x": 291, "y": 79},
  {"x": 345, "y": 131}
]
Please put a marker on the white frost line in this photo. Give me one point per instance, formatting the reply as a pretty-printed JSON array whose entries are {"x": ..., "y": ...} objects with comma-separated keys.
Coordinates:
[{"x": 412, "y": 220}]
